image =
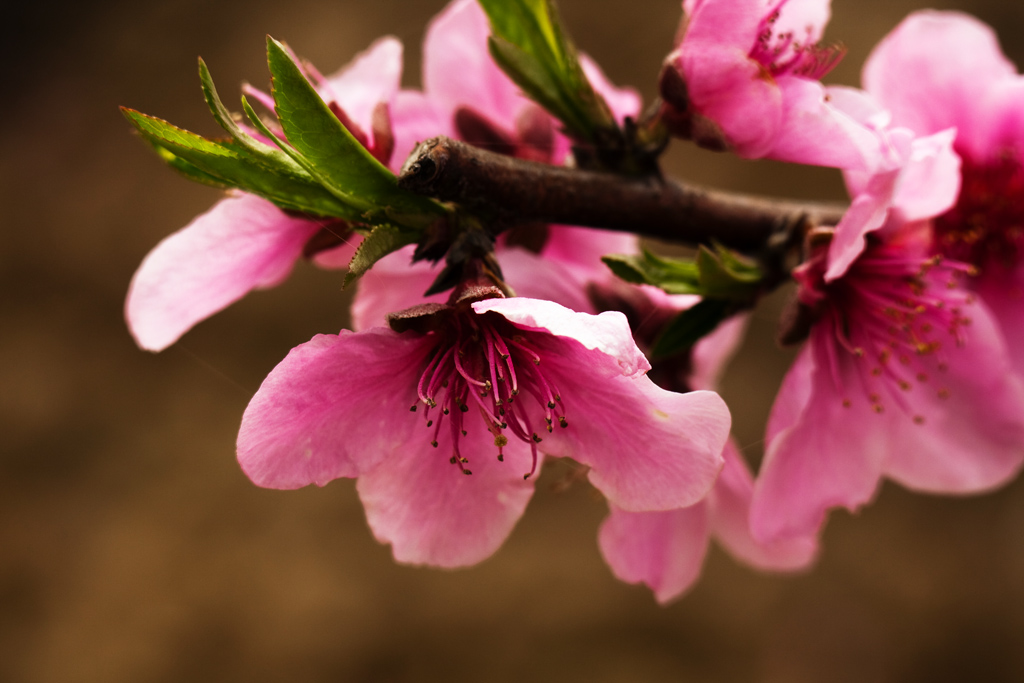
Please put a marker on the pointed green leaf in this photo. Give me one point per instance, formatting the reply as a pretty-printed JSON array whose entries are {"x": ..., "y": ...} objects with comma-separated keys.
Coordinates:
[
  {"x": 383, "y": 240},
  {"x": 628, "y": 268},
  {"x": 717, "y": 280},
  {"x": 232, "y": 167},
  {"x": 528, "y": 43},
  {"x": 334, "y": 156},
  {"x": 673, "y": 276},
  {"x": 687, "y": 328},
  {"x": 186, "y": 169},
  {"x": 270, "y": 155}
]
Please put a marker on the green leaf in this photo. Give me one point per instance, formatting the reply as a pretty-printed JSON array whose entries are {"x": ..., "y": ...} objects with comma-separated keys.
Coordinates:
[
  {"x": 687, "y": 328},
  {"x": 229, "y": 165},
  {"x": 627, "y": 267},
  {"x": 724, "y": 275},
  {"x": 333, "y": 156},
  {"x": 271, "y": 156},
  {"x": 186, "y": 169},
  {"x": 383, "y": 240},
  {"x": 717, "y": 274},
  {"x": 672, "y": 275},
  {"x": 528, "y": 43}
]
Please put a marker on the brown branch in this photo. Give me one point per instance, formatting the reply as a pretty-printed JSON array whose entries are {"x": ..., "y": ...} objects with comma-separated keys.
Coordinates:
[{"x": 518, "y": 191}]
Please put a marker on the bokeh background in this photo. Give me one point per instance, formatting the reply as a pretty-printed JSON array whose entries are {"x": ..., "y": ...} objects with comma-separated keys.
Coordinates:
[{"x": 133, "y": 549}]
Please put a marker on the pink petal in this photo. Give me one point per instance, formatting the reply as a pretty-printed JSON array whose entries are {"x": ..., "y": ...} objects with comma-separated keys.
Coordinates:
[
  {"x": 607, "y": 333},
  {"x": 242, "y": 243},
  {"x": 828, "y": 455},
  {"x": 582, "y": 248},
  {"x": 858, "y": 105},
  {"x": 972, "y": 435},
  {"x": 334, "y": 407},
  {"x": 805, "y": 19},
  {"x": 929, "y": 182},
  {"x": 731, "y": 24},
  {"x": 393, "y": 284},
  {"x": 933, "y": 71},
  {"x": 415, "y": 118},
  {"x": 812, "y": 131},
  {"x": 339, "y": 257},
  {"x": 649, "y": 449},
  {"x": 532, "y": 276},
  {"x": 374, "y": 76},
  {"x": 734, "y": 92},
  {"x": 1001, "y": 128},
  {"x": 431, "y": 513},
  {"x": 664, "y": 550},
  {"x": 458, "y": 70},
  {"x": 622, "y": 101},
  {"x": 1003, "y": 293},
  {"x": 867, "y": 213},
  {"x": 729, "y": 506}
]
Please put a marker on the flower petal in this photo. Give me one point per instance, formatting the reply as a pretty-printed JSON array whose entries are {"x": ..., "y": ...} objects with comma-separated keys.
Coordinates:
[
  {"x": 867, "y": 213},
  {"x": 1002, "y": 291},
  {"x": 929, "y": 183},
  {"x": 374, "y": 76},
  {"x": 805, "y": 19},
  {"x": 530, "y": 275},
  {"x": 393, "y": 284},
  {"x": 431, "y": 513},
  {"x": 734, "y": 92},
  {"x": 664, "y": 550},
  {"x": 933, "y": 70},
  {"x": 648, "y": 449},
  {"x": 622, "y": 101},
  {"x": 608, "y": 333},
  {"x": 458, "y": 70},
  {"x": 334, "y": 407},
  {"x": 729, "y": 506},
  {"x": 971, "y": 437},
  {"x": 242, "y": 243},
  {"x": 415, "y": 118},
  {"x": 830, "y": 455},
  {"x": 814, "y": 132},
  {"x": 581, "y": 249}
]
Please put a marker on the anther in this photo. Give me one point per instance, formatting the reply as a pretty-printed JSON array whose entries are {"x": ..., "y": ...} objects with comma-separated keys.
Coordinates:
[
  {"x": 430, "y": 423},
  {"x": 434, "y": 444},
  {"x": 563, "y": 422},
  {"x": 413, "y": 408},
  {"x": 536, "y": 438}
]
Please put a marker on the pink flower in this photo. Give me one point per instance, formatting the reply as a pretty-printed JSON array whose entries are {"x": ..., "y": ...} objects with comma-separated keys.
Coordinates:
[
  {"x": 467, "y": 96},
  {"x": 665, "y": 550},
  {"x": 904, "y": 374},
  {"x": 245, "y": 242},
  {"x": 492, "y": 383},
  {"x": 750, "y": 73},
  {"x": 940, "y": 70}
]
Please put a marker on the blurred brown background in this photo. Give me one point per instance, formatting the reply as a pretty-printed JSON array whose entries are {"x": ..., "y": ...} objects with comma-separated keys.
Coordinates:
[{"x": 133, "y": 549}]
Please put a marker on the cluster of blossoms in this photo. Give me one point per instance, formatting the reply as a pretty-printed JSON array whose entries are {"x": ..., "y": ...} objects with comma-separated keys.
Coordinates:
[{"x": 444, "y": 401}]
